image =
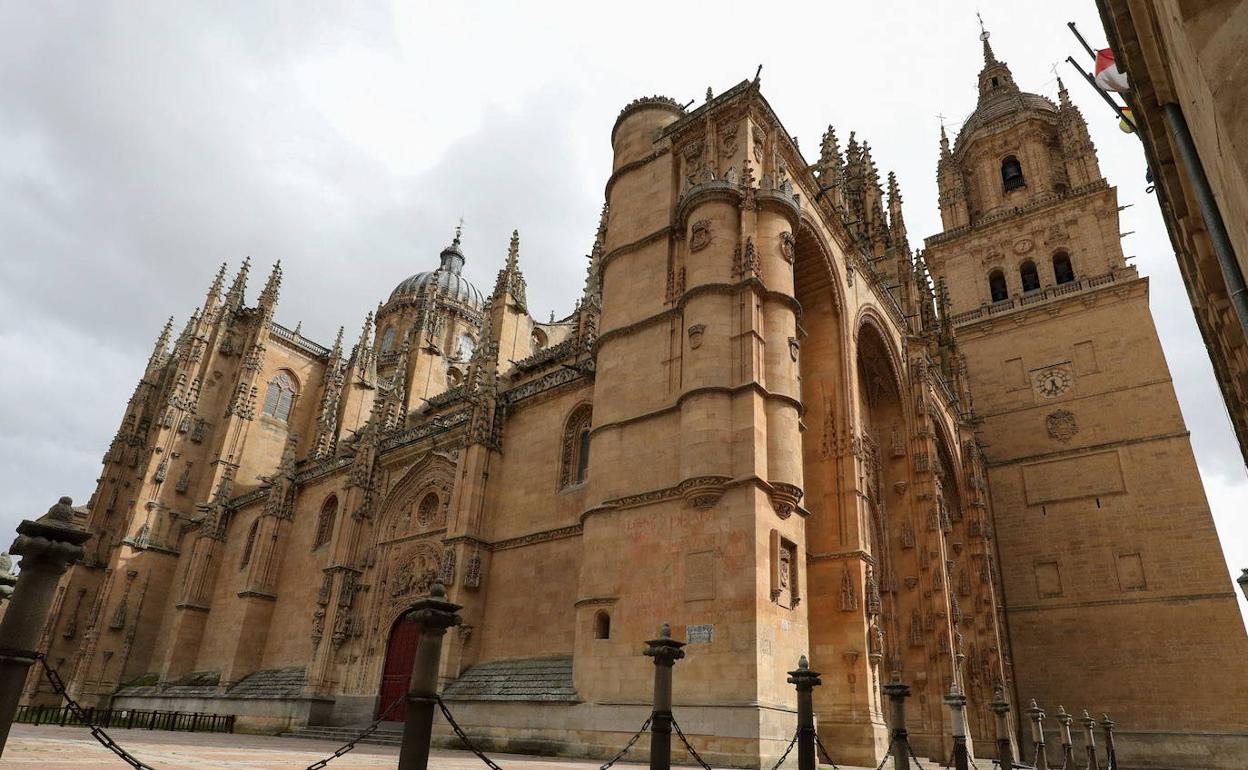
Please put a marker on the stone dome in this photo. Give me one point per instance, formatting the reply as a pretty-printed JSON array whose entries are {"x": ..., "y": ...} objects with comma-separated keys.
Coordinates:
[
  {"x": 1004, "y": 103},
  {"x": 448, "y": 280}
]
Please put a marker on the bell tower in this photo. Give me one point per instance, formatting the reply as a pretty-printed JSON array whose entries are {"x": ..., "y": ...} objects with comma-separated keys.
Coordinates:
[{"x": 1112, "y": 571}]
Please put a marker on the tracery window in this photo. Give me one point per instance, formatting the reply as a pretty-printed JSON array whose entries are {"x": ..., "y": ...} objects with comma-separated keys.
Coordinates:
[
  {"x": 325, "y": 522},
  {"x": 574, "y": 449},
  {"x": 997, "y": 287},
  {"x": 280, "y": 396},
  {"x": 250, "y": 546},
  {"x": 1063, "y": 271},
  {"x": 1030, "y": 276},
  {"x": 1012, "y": 174},
  {"x": 387, "y": 340}
]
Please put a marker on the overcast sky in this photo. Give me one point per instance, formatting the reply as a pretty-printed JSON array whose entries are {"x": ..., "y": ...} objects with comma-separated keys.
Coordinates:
[{"x": 142, "y": 144}]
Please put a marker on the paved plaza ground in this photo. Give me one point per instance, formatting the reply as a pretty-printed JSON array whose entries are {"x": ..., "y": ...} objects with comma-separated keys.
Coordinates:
[{"x": 72, "y": 748}]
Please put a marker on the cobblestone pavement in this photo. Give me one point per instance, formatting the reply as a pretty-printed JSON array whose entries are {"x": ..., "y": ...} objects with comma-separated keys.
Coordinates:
[{"x": 73, "y": 748}]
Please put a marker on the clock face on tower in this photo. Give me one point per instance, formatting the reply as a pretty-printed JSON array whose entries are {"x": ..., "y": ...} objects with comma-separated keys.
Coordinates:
[{"x": 1053, "y": 382}]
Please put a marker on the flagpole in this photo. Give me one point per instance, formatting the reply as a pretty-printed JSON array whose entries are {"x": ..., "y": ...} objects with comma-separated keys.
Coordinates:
[
  {"x": 1079, "y": 37},
  {"x": 1105, "y": 96}
]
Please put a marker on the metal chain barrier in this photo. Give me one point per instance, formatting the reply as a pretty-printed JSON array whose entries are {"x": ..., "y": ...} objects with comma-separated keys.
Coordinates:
[
  {"x": 631, "y": 742},
  {"x": 459, "y": 731},
  {"x": 689, "y": 747},
  {"x": 887, "y": 754},
  {"x": 822, "y": 750},
  {"x": 97, "y": 732},
  {"x": 367, "y": 731},
  {"x": 913, "y": 756},
  {"x": 787, "y": 751}
]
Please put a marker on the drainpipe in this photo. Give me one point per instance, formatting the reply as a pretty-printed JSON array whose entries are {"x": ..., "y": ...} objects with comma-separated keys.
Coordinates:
[{"x": 1214, "y": 225}]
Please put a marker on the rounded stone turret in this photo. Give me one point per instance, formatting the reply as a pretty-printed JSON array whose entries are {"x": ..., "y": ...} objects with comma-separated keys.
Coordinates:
[{"x": 638, "y": 125}]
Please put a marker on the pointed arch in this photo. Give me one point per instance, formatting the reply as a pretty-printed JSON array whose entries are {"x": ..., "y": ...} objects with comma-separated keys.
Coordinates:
[
  {"x": 325, "y": 522},
  {"x": 574, "y": 446},
  {"x": 435, "y": 472},
  {"x": 250, "y": 545},
  {"x": 279, "y": 398}
]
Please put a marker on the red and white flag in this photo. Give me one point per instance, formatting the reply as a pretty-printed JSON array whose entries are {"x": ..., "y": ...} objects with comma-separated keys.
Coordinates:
[{"x": 1108, "y": 76}]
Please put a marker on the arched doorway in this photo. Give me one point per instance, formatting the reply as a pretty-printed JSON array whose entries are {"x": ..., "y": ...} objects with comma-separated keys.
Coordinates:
[{"x": 396, "y": 674}]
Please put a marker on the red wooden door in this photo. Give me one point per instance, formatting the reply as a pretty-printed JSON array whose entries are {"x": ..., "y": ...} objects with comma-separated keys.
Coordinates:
[{"x": 396, "y": 676}]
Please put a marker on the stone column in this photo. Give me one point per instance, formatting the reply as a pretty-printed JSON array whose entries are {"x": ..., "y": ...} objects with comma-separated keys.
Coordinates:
[
  {"x": 956, "y": 702},
  {"x": 1037, "y": 735},
  {"x": 897, "y": 694},
  {"x": 806, "y": 681},
  {"x": 435, "y": 615},
  {"x": 47, "y": 547},
  {"x": 1005, "y": 751},
  {"x": 666, "y": 651}
]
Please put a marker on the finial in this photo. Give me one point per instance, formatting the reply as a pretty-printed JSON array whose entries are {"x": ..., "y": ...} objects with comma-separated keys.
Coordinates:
[
  {"x": 709, "y": 94},
  {"x": 665, "y": 631},
  {"x": 1033, "y": 703},
  {"x": 984, "y": 34},
  {"x": 217, "y": 282},
  {"x": 552, "y": 316},
  {"x": 438, "y": 591},
  {"x": 62, "y": 513},
  {"x": 802, "y": 663},
  {"x": 513, "y": 250},
  {"x": 459, "y": 231}
]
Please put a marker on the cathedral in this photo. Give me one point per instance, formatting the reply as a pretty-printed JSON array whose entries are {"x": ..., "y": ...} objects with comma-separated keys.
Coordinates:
[{"x": 769, "y": 421}]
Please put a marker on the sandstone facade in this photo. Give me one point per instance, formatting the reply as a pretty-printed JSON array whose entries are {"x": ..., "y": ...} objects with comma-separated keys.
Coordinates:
[{"x": 756, "y": 425}]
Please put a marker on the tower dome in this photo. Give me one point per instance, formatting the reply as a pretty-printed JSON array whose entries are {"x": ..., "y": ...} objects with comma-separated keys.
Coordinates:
[{"x": 447, "y": 280}]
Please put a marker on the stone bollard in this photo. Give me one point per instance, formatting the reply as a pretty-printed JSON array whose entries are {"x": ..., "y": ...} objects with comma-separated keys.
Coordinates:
[
  {"x": 434, "y": 614},
  {"x": 47, "y": 547},
  {"x": 897, "y": 694},
  {"x": 806, "y": 681},
  {"x": 666, "y": 651},
  {"x": 1005, "y": 750},
  {"x": 956, "y": 702},
  {"x": 1111, "y": 754},
  {"x": 1037, "y": 735},
  {"x": 1068, "y": 743},
  {"x": 1089, "y": 739}
]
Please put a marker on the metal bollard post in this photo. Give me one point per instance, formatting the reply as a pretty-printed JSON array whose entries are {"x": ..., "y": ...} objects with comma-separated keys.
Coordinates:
[
  {"x": 806, "y": 681},
  {"x": 897, "y": 694},
  {"x": 956, "y": 702},
  {"x": 1089, "y": 740},
  {"x": 666, "y": 651},
  {"x": 1037, "y": 735},
  {"x": 434, "y": 614},
  {"x": 1068, "y": 743},
  {"x": 47, "y": 547},
  {"x": 1111, "y": 754},
  {"x": 1005, "y": 751}
]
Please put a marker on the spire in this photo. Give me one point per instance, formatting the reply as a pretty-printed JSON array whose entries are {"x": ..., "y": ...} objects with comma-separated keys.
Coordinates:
[
  {"x": 214, "y": 291},
  {"x": 896, "y": 223},
  {"x": 944, "y": 142},
  {"x": 335, "y": 353},
  {"x": 188, "y": 333},
  {"x": 1063, "y": 96},
  {"x": 831, "y": 164},
  {"x": 268, "y": 297},
  {"x": 984, "y": 34},
  {"x": 365, "y": 335},
  {"x": 162, "y": 344},
  {"x": 510, "y": 279},
  {"x": 592, "y": 295},
  {"x": 234, "y": 297}
]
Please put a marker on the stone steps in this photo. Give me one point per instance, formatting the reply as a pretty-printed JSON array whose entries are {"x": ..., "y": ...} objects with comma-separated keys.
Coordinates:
[{"x": 384, "y": 736}]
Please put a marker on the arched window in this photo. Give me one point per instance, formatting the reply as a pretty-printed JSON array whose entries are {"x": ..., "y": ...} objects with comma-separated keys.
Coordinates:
[
  {"x": 996, "y": 285},
  {"x": 574, "y": 449},
  {"x": 280, "y": 397},
  {"x": 1012, "y": 174},
  {"x": 251, "y": 544},
  {"x": 602, "y": 625},
  {"x": 1031, "y": 278},
  {"x": 325, "y": 522},
  {"x": 466, "y": 346},
  {"x": 1063, "y": 271},
  {"x": 387, "y": 340},
  {"x": 538, "y": 340}
]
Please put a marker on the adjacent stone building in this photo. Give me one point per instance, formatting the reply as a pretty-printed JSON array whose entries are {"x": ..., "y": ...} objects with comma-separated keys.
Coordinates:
[{"x": 757, "y": 425}]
